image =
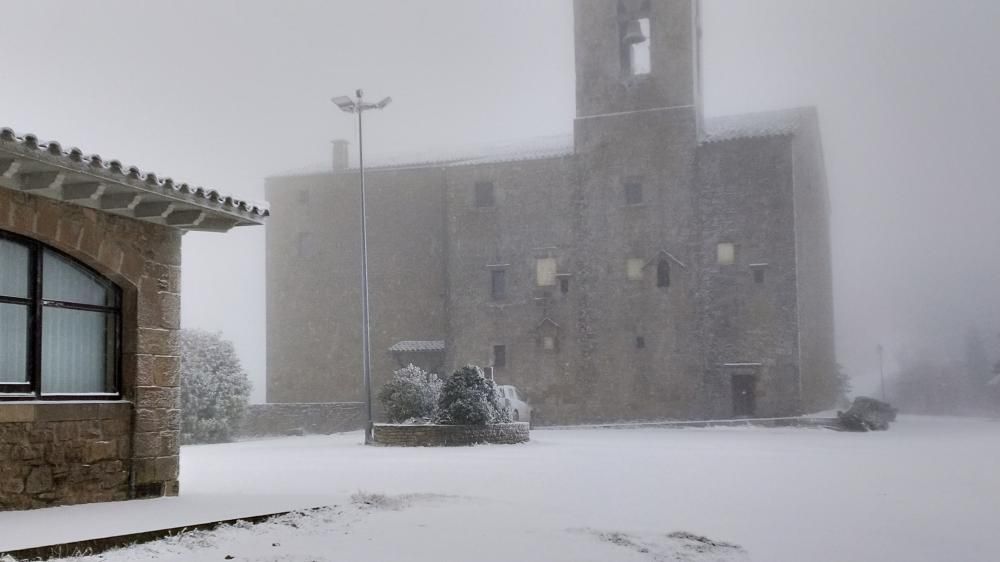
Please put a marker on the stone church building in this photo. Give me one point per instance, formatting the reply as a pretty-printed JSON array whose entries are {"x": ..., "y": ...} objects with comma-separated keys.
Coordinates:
[{"x": 655, "y": 264}]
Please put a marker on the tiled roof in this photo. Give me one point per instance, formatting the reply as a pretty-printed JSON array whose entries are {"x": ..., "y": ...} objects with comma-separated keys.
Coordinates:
[
  {"x": 752, "y": 125},
  {"x": 418, "y": 346},
  {"x": 19, "y": 153}
]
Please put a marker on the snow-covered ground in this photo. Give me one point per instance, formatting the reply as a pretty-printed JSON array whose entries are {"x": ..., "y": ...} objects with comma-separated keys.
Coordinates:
[{"x": 928, "y": 489}]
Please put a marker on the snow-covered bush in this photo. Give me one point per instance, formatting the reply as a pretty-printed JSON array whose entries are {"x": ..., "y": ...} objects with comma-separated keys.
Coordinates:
[
  {"x": 469, "y": 398},
  {"x": 412, "y": 393},
  {"x": 214, "y": 388}
]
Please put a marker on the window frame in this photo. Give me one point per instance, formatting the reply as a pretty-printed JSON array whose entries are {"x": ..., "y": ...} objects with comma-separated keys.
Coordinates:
[
  {"x": 498, "y": 284},
  {"x": 484, "y": 195},
  {"x": 36, "y": 304},
  {"x": 663, "y": 273},
  {"x": 633, "y": 192},
  {"x": 499, "y": 356}
]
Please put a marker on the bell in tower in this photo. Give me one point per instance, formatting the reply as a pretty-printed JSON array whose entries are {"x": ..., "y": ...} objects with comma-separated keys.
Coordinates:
[
  {"x": 636, "y": 55},
  {"x": 633, "y": 33}
]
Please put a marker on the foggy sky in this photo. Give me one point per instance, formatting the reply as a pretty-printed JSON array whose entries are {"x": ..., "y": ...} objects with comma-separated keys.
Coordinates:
[{"x": 224, "y": 93}]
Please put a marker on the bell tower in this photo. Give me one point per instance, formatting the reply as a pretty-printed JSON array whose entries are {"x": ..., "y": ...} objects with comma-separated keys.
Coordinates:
[{"x": 634, "y": 55}]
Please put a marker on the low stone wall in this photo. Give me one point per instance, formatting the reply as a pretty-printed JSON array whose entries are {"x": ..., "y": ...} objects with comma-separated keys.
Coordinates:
[
  {"x": 450, "y": 435},
  {"x": 55, "y": 453},
  {"x": 263, "y": 420}
]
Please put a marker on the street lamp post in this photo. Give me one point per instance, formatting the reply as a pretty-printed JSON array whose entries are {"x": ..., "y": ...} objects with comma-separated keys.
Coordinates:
[
  {"x": 881, "y": 370},
  {"x": 359, "y": 106}
]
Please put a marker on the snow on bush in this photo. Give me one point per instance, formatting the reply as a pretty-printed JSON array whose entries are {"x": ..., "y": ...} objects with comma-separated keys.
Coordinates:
[
  {"x": 214, "y": 388},
  {"x": 413, "y": 393},
  {"x": 469, "y": 398}
]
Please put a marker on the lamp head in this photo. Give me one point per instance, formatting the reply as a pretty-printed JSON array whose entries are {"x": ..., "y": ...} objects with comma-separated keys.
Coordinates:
[{"x": 345, "y": 104}]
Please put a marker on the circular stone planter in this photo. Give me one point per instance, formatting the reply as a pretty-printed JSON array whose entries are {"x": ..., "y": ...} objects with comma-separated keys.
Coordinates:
[{"x": 450, "y": 435}]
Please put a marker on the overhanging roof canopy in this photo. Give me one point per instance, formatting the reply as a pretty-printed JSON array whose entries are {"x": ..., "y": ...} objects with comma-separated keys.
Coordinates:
[
  {"x": 44, "y": 169},
  {"x": 431, "y": 346}
]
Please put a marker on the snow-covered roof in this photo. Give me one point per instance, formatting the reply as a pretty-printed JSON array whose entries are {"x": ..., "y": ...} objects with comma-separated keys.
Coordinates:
[
  {"x": 716, "y": 129},
  {"x": 45, "y": 169},
  {"x": 752, "y": 125},
  {"x": 415, "y": 346}
]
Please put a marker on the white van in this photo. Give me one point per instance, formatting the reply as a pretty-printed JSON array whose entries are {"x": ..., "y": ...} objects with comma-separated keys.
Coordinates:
[{"x": 519, "y": 409}]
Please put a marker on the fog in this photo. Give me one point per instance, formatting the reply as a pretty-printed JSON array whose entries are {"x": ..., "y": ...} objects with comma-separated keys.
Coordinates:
[{"x": 225, "y": 93}]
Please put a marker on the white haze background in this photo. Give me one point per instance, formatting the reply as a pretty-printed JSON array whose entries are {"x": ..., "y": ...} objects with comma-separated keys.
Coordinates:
[{"x": 222, "y": 93}]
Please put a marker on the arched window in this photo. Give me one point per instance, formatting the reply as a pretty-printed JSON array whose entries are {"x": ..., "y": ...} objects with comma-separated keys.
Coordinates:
[
  {"x": 60, "y": 325},
  {"x": 663, "y": 273}
]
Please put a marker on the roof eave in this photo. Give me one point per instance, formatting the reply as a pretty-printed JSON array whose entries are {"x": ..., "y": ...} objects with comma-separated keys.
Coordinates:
[{"x": 46, "y": 171}]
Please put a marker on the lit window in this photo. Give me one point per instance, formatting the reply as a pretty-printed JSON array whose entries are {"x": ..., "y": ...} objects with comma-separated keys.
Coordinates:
[
  {"x": 498, "y": 284},
  {"x": 545, "y": 272},
  {"x": 484, "y": 194},
  {"x": 59, "y": 311},
  {"x": 549, "y": 343},
  {"x": 634, "y": 267},
  {"x": 499, "y": 356},
  {"x": 726, "y": 253}
]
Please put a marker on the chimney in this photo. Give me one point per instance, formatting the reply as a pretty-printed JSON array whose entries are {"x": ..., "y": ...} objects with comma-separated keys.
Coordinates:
[{"x": 341, "y": 159}]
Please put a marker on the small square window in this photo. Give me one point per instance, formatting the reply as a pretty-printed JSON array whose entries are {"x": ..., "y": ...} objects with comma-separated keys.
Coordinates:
[
  {"x": 726, "y": 253},
  {"x": 633, "y": 193},
  {"x": 758, "y": 273},
  {"x": 498, "y": 284},
  {"x": 484, "y": 194},
  {"x": 499, "y": 356},
  {"x": 545, "y": 272},
  {"x": 549, "y": 343},
  {"x": 305, "y": 245},
  {"x": 640, "y": 342},
  {"x": 564, "y": 285},
  {"x": 633, "y": 268}
]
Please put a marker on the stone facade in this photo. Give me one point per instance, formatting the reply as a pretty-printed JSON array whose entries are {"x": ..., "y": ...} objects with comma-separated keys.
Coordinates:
[
  {"x": 450, "y": 435},
  {"x": 64, "y": 453},
  {"x": 642, "y": 319},
  {"x": 263, "y": 420},
  {"x": 61, "y": 453}
]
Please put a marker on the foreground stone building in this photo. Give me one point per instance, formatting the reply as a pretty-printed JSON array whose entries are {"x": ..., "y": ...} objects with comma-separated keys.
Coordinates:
[
  {"x": 655, "y": 264},
  {"x": 90, "y": 256}
]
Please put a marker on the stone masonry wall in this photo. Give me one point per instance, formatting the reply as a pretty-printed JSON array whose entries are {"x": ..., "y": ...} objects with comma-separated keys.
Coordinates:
[
  {"x": 300, "y": 419},
  {"x": 450, "y": 435},
  {"x": 64, "y": 453},
  {"x": 144, "y": 261}
]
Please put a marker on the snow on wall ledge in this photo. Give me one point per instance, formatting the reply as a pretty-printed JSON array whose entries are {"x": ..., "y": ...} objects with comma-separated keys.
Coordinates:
[{"x": 450, "y": 435}]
